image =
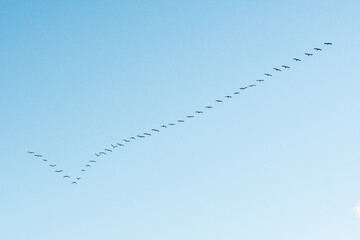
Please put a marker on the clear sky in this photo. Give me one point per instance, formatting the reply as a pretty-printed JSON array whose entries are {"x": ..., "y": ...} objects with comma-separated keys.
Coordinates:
[{"x": 279, "y": 161}]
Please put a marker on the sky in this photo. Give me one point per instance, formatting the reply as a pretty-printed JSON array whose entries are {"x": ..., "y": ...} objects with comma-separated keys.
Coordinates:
[{"x": 277, "y": 161}]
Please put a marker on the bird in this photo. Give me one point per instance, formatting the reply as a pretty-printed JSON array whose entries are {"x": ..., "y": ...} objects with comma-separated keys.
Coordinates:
[
  {"x": 102, "y": 153},
  {"x": 58, "y": 171},
  {"x": 114, "y": 146},
  {"x": 93, "y": 161},
  {"x": 88, "y": 166},
  {"x": 308, "y": 54},
  {"x": 163, "y": 126},
  {"x": 121, "y": 145},
  {"x": 155, "y": 130},
  {"x": 44, "y": 160},
  {"x": 83, "y": 170},
  {"x": 218, "y": 101},
  {"x": 108, "y": 150},
  {"x": 268, "y": 74},
  {"x": 172, "y": 124},
  {"x": 236, "y": 93},
  {"x": 260, "y": 80},
  {"x": 198, "y": 112},
  {"x": 78, "y": 178},
  {"x": 148, "y": 134},
  {"x": 30, "y": 152},
  {"x": 209, "y": 107},
  {"x": 318, "y": 49},
  {"x": 297, "y": 59},
  {"x": 66, "y": 176},
  {"x": 228, "y": 96},
  {"x": 190, "y": 116},
  {"x": 243, "y": 88},
  {"x": 277, "y": 69},
  {"x": 328, "y": 43},
  {"x": 139, "y": 136},
  {"x": 97, "y": 154},
  {"x": 74, "y": 183},
  {"x": 284, "y": 66},
  {"x": 37, "y": 155},
  {"x": 125, "y": 140},
  {"x": 133, "y": 138},
  {"x": 52, "y": 165},
  {"x": 180, "y": 120},
  {"x": 252, "y": 85}
]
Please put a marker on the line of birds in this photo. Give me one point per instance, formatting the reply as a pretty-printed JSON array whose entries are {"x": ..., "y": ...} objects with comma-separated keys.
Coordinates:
[{"x": 114, "y": 146}]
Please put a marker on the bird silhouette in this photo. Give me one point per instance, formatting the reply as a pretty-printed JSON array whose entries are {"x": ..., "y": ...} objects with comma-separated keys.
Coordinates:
[
  {"x": 318, "y": 49},
  {"x": 133, "y": 138},
  {"x": 228, "y": 96},
  {"x": 114, "y": 146},
  {"x": 88, "y": 166},
  {"x": 236, "y": 92},
  {"x": 284, "y": 66},
  {"x": 260, "y": 80},
  {"x": 163, "y": 126},
  {"x": 148, "y": 134},
  {"x": 252, "y": 85},
  {"x": 102, "y": 153},
  {"x": 66, "y": 176},
  {"x": 78, "y": 178},
  {"x": 172, "y": 124},
  {"x": 268, "y": 74},
  {"x": 125, "y": 140},
  {"x": 297, "y": 59},
  {"x": 58, "y": 171},
  {"x": 52, "y": 165},
  {"x": 139, "y": 136},
  {"x": 30, "y": 152},
  {"x": 328, "y": 43},
  {"x": 119, "y": 144},
  {"x": 92, "y": 161},
  {"x": 218, "y": 101},
  {"x": 83, "y": 170},
  {"x": 198, "y": 112},
  {"x": 155, "y": 130},
  {"x": 74, "y": 183},
  {"x": 37, "y": 155},
  {"x": 243, "y": 88},
  {"x": 209, "y": 107},
  {"x": 180, "y": 120},
  {"x": 190, "y": 116},
  {"x": 109, "y": 150},
  {"x": 277, "y": 69},
  {"x": 308, "y": 54}
]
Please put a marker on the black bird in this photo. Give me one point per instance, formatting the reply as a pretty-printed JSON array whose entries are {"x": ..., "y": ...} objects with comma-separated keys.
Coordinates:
[
  {"x": 44, "y": 160},
  {"x": 236, "y": 93},
  {"x": 97, "y": 154},
  {"x": 66, "y": 176},
  {"x": 140, "y": 136},
  {"x": 148, "y": 134},
  {"x": 260, "y": 80},
  {"x": 58, "y": 171},
  {"x": 209, "y": 107},
  {"x": 74, "y": 183},
  {"x": 218, "y": 101},
  {"x": 180, "y": 120},
  {"x": 172, "y": 124},
  {"x": 190, "y": 116},
  {"x": 318, "y": 49},
  {"x": 198, "y": 112},
  {"x": 277, "y": 69},
  {"x": 284, "y": 66},
  {"x": 83, "y": 170},
  {"x": 92, "y": 161},
  {"x": 132, "y": 138},
  {"x": 88, "y": 165},
  {"x": 38, "y": 155},
  {"x": 52, "y": 165},
  {"x": 121, "y": 145},
  {"x": 30, "y": 152},
  {"x": 78, "y": 178},
  {"x": 296, "y": 59},
  {"x": 328, "y": 43},
  {"x": 155, "y": 130},
  {"x": 125, "y": 140},
  {"x": 114, "y": 146},
  {"x": 163, "y": 126},
  {"x": 268, "y": 74},
  {"x": 228, "y": 96},
  {"x": 108, "y": 150},
  {"x": 252, "y": 85},
  {"x": 102, "y": 153},
  {"x": 243, "y": 88},
  {"x": 308, "y": 54}
]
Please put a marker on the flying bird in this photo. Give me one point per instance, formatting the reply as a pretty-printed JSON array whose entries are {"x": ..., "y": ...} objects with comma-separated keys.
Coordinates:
[
  {"x": 209, "y": 107},
  {"x": 172, "y": 124},
  {"x": 236, "y": 93},
  {"x": 163, "y": 126},
  {"x": 328, "y": 43},
  {"x": 268, "y": 74},
  {"x": 83, "y": 170},
  {"x": 66, "y": 176},
  {"x": 252, "y": 85},
  {"x": 92, "y": 161},
  {"x": 190, "y": 116},
  {"x": 52, "y": 165},
  {"x": 78, "y": 178},
  {"x": 108, "y": 150},
  {"x": 102, "y": 153},
  {"x": 44, "y": 160},
  {"x": 38, "y": 155},
  {"x": 198, "y": 112},
  {"x": 30, "y": 152},
  {"x": 114, "y": 146},
  {"x": 132, "y": 138},
  {"x": 139, "y": 136},
  {"x": 180, "y": 120},
  {"x": 74, "y": 183},
  {"x": 121, "y": 145},
  {"x": 260, "y": 80},
  {"x": 284, "y": 66},
  {"x": 318, "y": 49},
  {"x": 155, "y": 130},
  {"x": 148, "y": 134},
  {"x": 228, "y": 96},
  {"x": 88, "y": 166},
  {"x": 58, "y": 171},
  {"x": 125, "y": 140},
  {"x": 308, "y": 54},
  {"x": 297, "y": 59},
  {"x": 243, "y": 88},
  {"x": 218, "y": 101},
  {"x": 277, "y": 69}
]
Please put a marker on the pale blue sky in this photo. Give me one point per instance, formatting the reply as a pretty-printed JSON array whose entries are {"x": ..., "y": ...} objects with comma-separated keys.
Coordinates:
[{"x": 280, "y": 161}]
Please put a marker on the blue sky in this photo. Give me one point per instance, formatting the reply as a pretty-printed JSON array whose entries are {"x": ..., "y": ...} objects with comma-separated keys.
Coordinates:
[{"x": 278, "y": 161}]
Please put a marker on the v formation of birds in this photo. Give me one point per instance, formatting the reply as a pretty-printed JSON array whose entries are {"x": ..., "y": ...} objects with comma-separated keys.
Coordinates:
[{"x": 112, "y": 147}]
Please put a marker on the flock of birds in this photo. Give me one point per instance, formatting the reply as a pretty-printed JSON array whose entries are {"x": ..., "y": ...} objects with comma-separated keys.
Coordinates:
[{"x": 112, "y": 147}]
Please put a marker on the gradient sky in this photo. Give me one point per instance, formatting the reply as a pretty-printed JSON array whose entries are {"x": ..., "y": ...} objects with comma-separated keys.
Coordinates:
[{"x": 280, "y": 161}]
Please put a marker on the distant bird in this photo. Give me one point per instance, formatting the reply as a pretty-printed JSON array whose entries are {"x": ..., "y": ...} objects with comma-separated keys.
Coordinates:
[
  {"x": 108, "y": 150},
  {"x": 163, "y": 126},
  {"x": 318, "y": 49},
  {"x": 93, "y": 161},
  {"x": 132, "y": 138},
  {"x": 277, "y": 69},
  {"x": 114, "y": 146},
  {"x": 236, "y": 93},
  {"x": 139, "y": 136},
  {"x": 308, "y": 54},
  {"x": 78, "y": 178},
  {"x": 243, "y": 88},
  {"x": 148, "y": 134},
  {"x": 52, "y": 165},
  {"x": 125, "y": 140},
  {"x": 190, "y": 116},
  {"x": 209, "y": 107},
  {"x": 102, "y": 153},
  {"x": 30, "y": 152},
  {"x": 252, "y": 85},
  {"x": 97, "y": 154},
  {"x": 284, "y": 66},
  {"x": 260, "y": 80},
  {"x": 198, "y": 112},
  {"x": 297, "y": 59},
  {"x": 228, "y": 96},
  {"x": 74, "y": 183},
  {"x": 58, "y": 171},
  {"x": 155, "y": 130},
  {"x": 88, "y": 166},
  {"x": 66, "y": 176},
  {"x": 83, "y": 170},
  {"x": 119, "y": 144},
  {"x": 38, "y": 155},
  {"x": 172, "y": 124},
  {"x": 180, "y": 120},
  {"x": 328, "y": 43},
  {"x": 268, "y": 74},
  {"x": 218, "y": 101},
  {"x": 44, "y": 160}
]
